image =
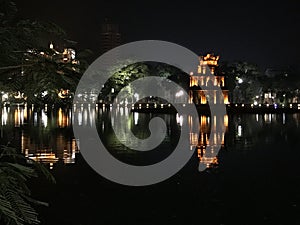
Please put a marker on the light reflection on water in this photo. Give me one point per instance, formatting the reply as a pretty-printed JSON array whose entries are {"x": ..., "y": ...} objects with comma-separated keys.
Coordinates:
[{"x": 47, "y": 135}]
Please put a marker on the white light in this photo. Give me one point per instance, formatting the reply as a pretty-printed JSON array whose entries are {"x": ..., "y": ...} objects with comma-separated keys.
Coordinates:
[
  {"x": 4, "y": 116},
  {"x": 239, "y": 130},
  {"x": 179, "y": 119},
  {"x": 35, "y": 118},
  {"x": 240, "y": 81},
  {"x": 136, "y": 118},
  {"x": 178, "y": 94},
  {"x": 79, "y": 118},
  {"x": 44, "y": 118},
  {"x": 255, "y": 102},
  {"x": 51, "y": 46},
  {"x": 44, "y": 93},
  {"x": 5, "y": 96}
]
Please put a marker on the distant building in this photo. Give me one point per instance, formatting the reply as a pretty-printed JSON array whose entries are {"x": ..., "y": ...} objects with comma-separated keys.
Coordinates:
[
  {"x": 68, "y": 55},
  {"x": 110, "y": 36},
  {"x": 203, "y": 81}
]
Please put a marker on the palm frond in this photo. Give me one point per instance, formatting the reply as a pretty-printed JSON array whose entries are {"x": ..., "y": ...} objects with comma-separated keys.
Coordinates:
[{"x": 15, "y": 200}]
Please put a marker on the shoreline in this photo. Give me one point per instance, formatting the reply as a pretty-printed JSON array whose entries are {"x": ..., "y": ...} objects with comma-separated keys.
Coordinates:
[{"x": 170, "y": 109}]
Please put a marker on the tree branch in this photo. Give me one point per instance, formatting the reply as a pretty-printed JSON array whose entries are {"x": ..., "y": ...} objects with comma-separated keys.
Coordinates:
[{"x": 15, "y": 67}]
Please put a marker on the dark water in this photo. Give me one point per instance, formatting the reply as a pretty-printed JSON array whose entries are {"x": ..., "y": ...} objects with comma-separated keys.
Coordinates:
[{"x": 254, "y": 180}]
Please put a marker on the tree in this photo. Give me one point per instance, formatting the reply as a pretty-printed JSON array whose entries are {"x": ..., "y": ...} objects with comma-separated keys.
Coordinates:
[
  {"x": 122, "y": 76},
  {"x": 243, "y": 81},
  {"x": 125, "y": 73},
  {"x": 15, "y": 200},
  {"x": 27, "y": 66}
]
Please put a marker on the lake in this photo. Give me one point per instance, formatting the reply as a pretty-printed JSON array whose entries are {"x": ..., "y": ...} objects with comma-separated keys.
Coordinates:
[{"x": 255, "y": 179}]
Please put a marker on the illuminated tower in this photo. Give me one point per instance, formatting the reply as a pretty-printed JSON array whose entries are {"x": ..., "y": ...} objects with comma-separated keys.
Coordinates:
[{"x": 198, "y": 82}]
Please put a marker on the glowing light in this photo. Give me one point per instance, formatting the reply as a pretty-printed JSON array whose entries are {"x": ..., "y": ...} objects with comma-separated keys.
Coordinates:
[
  {"x": 4, "y": 116},
  {"x": 178, "y": 94},
  {"x": 226, "y": 120},
  {"x": 179, "y": 119},
  {"x": 136, "y": 118},
  {"x": 44, "y": 93},
  {"x": 44, "y": 119},
  {"x": 239, "y": 130},
  {"x": 5, "y": 96}
]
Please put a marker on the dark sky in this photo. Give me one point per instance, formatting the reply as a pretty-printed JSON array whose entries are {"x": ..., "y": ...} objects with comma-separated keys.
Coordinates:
[{"x": 263, "y": 33}]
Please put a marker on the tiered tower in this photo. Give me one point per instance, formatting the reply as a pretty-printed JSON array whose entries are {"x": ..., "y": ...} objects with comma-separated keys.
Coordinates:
[{"x": 205, "y": 79}]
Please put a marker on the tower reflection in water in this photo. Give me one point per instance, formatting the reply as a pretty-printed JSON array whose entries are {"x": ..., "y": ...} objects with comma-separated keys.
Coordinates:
[
  {"x": 206, "y": 146},
  {"x": 46, "y": 136}
]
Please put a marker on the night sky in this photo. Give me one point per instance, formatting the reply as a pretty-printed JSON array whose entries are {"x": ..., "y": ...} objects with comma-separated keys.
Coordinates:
[{"x": 263, "y": 33}]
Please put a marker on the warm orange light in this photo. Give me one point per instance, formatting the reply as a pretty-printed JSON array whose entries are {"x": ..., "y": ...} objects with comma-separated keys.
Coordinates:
[
  {"x": 62, "y": 119},
  {"x": 226, "y": 120}
]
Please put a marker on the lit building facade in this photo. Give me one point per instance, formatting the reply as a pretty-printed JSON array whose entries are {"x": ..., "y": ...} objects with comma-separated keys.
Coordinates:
[{"x": 205, "y": 84}]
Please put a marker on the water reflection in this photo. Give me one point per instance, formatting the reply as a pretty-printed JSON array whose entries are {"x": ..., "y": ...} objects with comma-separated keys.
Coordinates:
[
  {"x": 207, "y": 146},
  {"x": 42, "y": 136},
  {"x": 47, "y": 135}
]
